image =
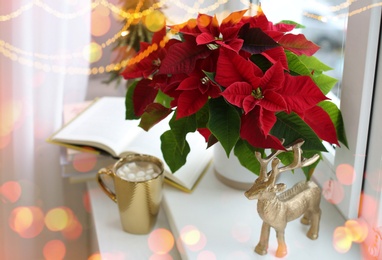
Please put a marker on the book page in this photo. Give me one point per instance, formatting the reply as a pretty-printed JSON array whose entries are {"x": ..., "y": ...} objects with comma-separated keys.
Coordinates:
[{"x": 102, "y": 123}]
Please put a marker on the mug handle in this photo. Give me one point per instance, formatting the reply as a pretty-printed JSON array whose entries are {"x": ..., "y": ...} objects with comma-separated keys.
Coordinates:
[{"x": 104, "y": 187}]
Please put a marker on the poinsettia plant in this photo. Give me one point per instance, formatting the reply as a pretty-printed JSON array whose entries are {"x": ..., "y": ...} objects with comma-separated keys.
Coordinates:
[{"x": 246, "y": 83}]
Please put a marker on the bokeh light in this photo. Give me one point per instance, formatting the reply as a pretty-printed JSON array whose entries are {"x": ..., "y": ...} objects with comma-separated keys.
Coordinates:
[
  {"x": 342, "y": 239},
  {"x": 10, "y": 114},
  {"x": 368, "y": 207},
  {"x": 95, "y": 256},
  {"x": 92, "y": 52},
  {"x": 100, "y": 23},
  {"x": 345, "y": 174},
  {"x": 333, "y": 191},
  {"x": 54, "y": 250},
  {"x": 57, "y": 219},
  {"x": 161, "y": 241},
  {"x": 192, "y": 238},
  {"x": 241, "y": 232},
  {"x": 206, "y": 255},
  {"x": 358, "y": 229},
  {"x": 84, "y": 162},
  {"x": 73, "y": 230},
  {"x": 10, "y": 192},
  {"x": 28, "y": 222},
  {"x": 155, "y": 21}
]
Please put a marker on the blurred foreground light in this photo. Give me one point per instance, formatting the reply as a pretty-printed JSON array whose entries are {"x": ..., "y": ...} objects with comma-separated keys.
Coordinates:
[
  {"x": 10, "y": 192},
  {"x": 342, "y": 239},
  {"x": 28, "y": 222},
  {"x": 100, "y": 21},
  {"x": 95, "y": 256},
  {"x": 155, "y": 21},
  {"x": 54, "y": 250},
  {"x": 92, "y": 52},
  {"x": 84, "y": 162},
  {"x": 345, "y": 174},
  {"x": 358, "y": 229},
  {"x": 73, "y": 230},
  {"x": 56, "y": 219},
  {"x": 10, "y": 114},
  {"x": 193, "y": 238},
  {"x": 161, "y": 241}
]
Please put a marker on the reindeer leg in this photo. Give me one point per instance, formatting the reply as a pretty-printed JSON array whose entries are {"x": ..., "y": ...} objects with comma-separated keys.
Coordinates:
[
  {"x": 306, "y": 218},
  {"x": 315, "y": 225},
  {"x": 262, "y": 246},
  {"x": 282, "y": 248}
]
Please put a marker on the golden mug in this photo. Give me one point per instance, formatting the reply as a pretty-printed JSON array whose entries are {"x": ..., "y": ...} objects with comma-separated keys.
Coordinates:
[{"x": 138, "y": 199}]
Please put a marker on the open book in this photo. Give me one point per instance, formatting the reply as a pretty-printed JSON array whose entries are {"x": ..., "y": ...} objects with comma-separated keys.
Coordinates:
[{"x": 102, "y": 126}]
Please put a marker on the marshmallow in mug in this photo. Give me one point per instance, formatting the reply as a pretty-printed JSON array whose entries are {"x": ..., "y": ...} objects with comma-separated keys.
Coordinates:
[{"x": 138, "y": 171}]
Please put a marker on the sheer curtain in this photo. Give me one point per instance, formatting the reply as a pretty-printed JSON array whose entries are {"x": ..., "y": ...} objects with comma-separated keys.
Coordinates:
[{"x": 41, "y": 69}]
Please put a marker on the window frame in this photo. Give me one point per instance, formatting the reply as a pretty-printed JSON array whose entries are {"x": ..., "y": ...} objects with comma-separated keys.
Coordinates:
[{"x": 358, "y": 80}]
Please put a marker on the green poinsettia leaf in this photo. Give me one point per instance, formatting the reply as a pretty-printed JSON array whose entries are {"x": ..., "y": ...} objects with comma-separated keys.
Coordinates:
[
  {"x": 297, "y": 25},
  {"x": 324, "y": 82},
  {"x": 246, "y": 155},
  {"x": 202, "y": 117},
  {"x": 174, "y": 157},
  {"x": 181, "y": 127},
  {"x": 163, "y": 99},
  {"x": 153, "y": 114},
  {"x": 336, "y": 117},
  {"x": 224, "y": 123},
  {"x": 296, "y": 66},
  {"x": 314, "y": 63},
  {"x": 129, "y": 105},
  {"x": 308, "y": 170},
  {"x": 291, "y": 127}
]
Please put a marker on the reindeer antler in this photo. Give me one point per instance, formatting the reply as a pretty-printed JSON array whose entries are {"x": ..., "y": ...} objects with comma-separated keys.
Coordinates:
[
  {"x": 298, "y": 160},
  {"x": 265, "y": 161}
]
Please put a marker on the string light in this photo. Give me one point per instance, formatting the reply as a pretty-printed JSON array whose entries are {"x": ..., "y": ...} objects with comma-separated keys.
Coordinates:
[{"x": 25, "y": 58}]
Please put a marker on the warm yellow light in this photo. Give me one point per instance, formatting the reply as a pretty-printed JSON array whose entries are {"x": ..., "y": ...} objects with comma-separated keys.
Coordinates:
[
  {"x": 28, "y": 222},
  {"x": 358, "y": 229},
  {"x": 155, "y": 21},
  {"x": 10, "y": 114},
  {"x": 92, "y": 52},
  {"x": 125, "y": 33},
  {"x": 342, "y": 239},
  {"x": 56, "y": 219},
  {"x": 84, "y": 162},
  {"x": 193, "y": 238}
]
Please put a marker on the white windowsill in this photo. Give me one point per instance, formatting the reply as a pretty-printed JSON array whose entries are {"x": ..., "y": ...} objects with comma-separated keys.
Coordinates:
[{"x": 228, "y": 223}]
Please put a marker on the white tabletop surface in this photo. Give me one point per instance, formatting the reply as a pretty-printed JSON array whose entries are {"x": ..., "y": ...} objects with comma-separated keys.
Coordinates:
[{"x": 213, "y": 222}]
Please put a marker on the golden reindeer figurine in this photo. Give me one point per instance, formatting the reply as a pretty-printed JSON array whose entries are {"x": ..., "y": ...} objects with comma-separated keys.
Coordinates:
[{"x": 303, "y": 199}]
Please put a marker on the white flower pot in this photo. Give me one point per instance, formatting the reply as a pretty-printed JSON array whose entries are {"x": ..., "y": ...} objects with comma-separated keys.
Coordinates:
[{"x": 229, "y": 170}]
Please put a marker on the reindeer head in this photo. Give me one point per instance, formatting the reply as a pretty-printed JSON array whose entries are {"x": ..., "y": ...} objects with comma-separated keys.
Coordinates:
[{"x": 264, "y": 186}]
